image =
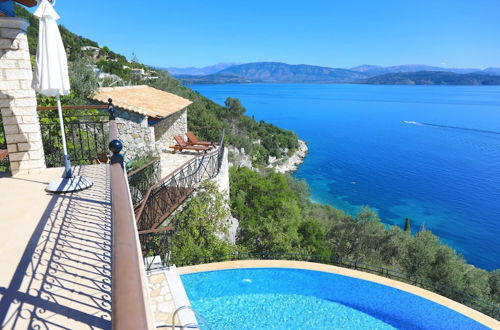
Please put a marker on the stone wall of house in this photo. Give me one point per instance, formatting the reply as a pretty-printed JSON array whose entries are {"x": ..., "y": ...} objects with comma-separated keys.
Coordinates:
[
  {"x": 18, "y": 99},
  {"x": 136, "y": 135},
  {"x": 165, "y": 129},
  {"x": 139, "y": 139}
]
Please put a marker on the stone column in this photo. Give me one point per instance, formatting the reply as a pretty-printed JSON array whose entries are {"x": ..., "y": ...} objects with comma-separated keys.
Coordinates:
[{"x": 18, "y": 99}]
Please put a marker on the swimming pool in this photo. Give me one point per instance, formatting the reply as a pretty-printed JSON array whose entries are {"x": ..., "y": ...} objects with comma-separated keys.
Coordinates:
[{"x": 286, "y": 298}]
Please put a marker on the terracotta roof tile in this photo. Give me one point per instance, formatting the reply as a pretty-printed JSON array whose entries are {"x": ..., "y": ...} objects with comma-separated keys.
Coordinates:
[{"x": 142, "y": 99}]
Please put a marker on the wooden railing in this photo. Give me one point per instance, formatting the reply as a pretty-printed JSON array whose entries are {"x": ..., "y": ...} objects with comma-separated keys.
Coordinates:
[
  {"x": 74, "y": 107},
  {"x": 131, "y": 309}
]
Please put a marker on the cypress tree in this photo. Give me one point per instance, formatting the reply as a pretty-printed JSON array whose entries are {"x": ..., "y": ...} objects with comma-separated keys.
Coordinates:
[{"x": 407, "y": 225}]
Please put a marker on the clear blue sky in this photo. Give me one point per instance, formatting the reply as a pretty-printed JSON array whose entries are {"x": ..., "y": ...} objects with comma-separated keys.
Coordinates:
[{"x": 336, "y": 33}]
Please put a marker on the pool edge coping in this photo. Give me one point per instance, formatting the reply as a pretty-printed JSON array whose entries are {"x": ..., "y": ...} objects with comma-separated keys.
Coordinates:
[{"x": 426, "y": 294}]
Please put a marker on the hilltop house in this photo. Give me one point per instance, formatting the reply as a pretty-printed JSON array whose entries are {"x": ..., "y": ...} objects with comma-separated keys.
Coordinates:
[
  {"x": 143, "y": 74},
  {"x": 147, "y": 118}
]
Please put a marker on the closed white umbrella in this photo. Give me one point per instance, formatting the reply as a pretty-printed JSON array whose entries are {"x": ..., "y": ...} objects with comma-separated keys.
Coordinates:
[{"x": 51, "y": 79}]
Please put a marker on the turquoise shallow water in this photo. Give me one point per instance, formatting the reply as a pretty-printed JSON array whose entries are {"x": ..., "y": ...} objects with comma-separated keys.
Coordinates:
[
  {"x": 272, "y": 298},
  {"x": 363, "y": 153}
]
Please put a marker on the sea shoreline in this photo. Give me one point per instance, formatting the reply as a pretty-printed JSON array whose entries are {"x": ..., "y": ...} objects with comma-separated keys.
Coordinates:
[{"x": 291, "y": 164}]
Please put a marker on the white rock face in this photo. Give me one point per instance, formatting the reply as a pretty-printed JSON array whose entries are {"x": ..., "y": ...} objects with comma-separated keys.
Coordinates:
[
  {"x": 290, "y": 164},
  {"x": 239, "y": 158},
  {"x": 281, "y": 165},
  {"x": 222, "y": 182}
]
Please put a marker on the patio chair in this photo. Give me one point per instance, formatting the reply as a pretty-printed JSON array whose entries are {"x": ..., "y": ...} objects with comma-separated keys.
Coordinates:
[
  {"x": 193, "y": 139},
  {"x": 102, "y": 158},
  {"x": 183, "y": 145},
  {"x": 3, "y": 154}
]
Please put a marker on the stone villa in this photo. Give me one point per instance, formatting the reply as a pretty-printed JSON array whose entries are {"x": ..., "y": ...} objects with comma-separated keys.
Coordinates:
[{"x": 148, "y": 118}]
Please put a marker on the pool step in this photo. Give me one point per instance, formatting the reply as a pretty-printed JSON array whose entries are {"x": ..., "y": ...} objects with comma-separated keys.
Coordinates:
[{"x": 189, "y": 325}]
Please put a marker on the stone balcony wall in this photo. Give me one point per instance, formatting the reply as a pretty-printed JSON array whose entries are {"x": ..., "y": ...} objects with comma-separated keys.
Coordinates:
[{"x": 18, "y": 99}]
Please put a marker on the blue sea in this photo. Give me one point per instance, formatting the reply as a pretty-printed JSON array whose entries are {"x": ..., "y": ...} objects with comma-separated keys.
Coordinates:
[{"x": 429, "y": 153}]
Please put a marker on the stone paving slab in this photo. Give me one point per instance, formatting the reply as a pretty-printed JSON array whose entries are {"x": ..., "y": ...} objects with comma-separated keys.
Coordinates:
[
  {"x": 161, "y": 300},
  {"x": 170, "y": 162},
  {"x": 56, "y": 269},
  {"x": 167, "y": 294}
]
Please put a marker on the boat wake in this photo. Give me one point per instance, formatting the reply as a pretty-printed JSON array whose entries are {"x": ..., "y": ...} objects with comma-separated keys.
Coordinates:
[{"x": 451, "y": 127}]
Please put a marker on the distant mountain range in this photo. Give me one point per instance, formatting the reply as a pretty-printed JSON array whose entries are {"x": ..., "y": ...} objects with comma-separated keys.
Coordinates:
[
  {"x": 432, "y": 78},
  {"x": 281, "y": 72},
  {"x": 192, "y": 71},
  {"x": 378, "y": 70},
  {"x": 275, "y": 72}
]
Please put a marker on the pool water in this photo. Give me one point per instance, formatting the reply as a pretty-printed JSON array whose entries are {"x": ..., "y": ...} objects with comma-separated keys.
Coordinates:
[{"x": 282, "y": 298}]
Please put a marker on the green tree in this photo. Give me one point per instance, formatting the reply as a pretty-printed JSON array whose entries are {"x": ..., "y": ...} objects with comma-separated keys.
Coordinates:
[
  {"x": 420, "y": 254},
  {"x": 235, "y": 107},
  {"x": 83, "y": 79},
  {"x": 393, "y": 247},
  {"x": 357, "y": 239},
  {"x": 105, "y": 50},
  {"x": 447, "y": 268},
  {"x": 267, "y": 209},
  {"x": 494, "y": 282},
  {"x": 312, "y": 238},
  {"x": 476, "y": 282},
  {"x": 200, "y": 228},
  {"x": 407, "y": 225}
]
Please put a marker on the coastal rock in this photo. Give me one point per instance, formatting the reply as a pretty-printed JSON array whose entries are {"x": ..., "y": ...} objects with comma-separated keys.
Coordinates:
[
  {"x": 239, "y": 158},
  {"x": 291, "y": 163}
]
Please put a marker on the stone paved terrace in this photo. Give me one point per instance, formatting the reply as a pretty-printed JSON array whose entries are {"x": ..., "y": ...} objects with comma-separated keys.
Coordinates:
[
  {"x": 170, "y": 162},
  {"x": 167, "y": 294},
  {"x": 55, "y": 256},
  {"x": 162, "y": 302}
]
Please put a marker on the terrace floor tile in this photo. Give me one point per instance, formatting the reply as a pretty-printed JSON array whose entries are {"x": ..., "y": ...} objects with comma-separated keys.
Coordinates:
[{"x": 56, "y": 253}]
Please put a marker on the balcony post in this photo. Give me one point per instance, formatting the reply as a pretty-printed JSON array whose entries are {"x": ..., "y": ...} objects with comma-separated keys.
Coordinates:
[{"x": 18, "y": 99}]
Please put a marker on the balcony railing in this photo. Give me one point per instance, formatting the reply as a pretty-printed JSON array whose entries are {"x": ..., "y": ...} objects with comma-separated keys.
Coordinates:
[
  {"x": 86, "y": 130},
  {"x": 141, "y": 179},
  {"x": 163, "y": 198},
  {"x": 131, "y": 309},
  {"x": 4, "y": 162}
]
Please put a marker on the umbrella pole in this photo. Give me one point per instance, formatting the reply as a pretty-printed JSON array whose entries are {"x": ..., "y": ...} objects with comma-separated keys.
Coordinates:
[
  {"x": 68, "y": 183},
  {"x": 67, "y": 163}
]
